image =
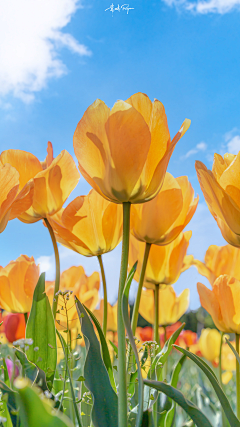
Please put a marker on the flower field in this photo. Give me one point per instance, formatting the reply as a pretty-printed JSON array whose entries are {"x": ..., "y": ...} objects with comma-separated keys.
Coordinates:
[{"x": 70, "y": 359}]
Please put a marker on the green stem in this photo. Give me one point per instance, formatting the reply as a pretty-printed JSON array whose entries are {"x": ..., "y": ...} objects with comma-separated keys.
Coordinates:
[
  {"x": 165, "y": 366},
  {"x": 220, "y": 377},
  {"x": 105, "y": 307},
  {"x": 156, "y": 338},
  {"x": 57, "y": 262},
  {"x": 140, "y": 285},
  {"x": 122, "y": 391},
  {"x": 26, "y": 318},
  {"x": 156, "y": 314},
  {"x": 238, "y": 378}
]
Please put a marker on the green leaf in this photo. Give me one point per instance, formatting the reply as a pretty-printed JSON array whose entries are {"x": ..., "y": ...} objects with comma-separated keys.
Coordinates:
[
  {"x": 114, "y": 347},
  {"x": 5, "y": 414},
  {"x": 105, "y": 351},
  {"x": 233, "y": 350},
  {"x": 192, "y": 410},
  {"x": 35, "y": 412},
  {"x": 5, "y": 375},
  {"x": 29, "y": 368},
  {"x": 127, "y": 324},
  {"x": 64, "y": 347},
  {"x": 10, "y": 397},
  {"x": 233, "y": 421},
  {"x": 41, "y": 328},
  {"x": 105, "y": 401},
  {"x": 174, "y": 380}
]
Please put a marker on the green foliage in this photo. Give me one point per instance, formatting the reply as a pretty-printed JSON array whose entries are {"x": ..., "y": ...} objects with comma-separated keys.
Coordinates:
[
  {"x": 104, "y": 347},
  {"x": 127, "y": 324},
  {"x": 233, "y": 421},
  {"x": 191, "y": 409},
  {"x": 41, "y": 329},
  {"x": 34, "y": 411},
  {"x": 105, "y": 402}
]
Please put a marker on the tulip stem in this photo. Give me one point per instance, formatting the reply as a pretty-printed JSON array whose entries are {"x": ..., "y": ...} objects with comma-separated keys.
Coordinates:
[
  {"x": 224, "y": 422},
  {"x": 26, "y": 318},
  {"x": 156, "y": 315},
  {"x": 140, "y": 285},
  {"x": 105, "y": 307},
  {"x": 57, "y": 263},
  {"x": 238, "y": 378},
  {"x": 122, "y": 391}
]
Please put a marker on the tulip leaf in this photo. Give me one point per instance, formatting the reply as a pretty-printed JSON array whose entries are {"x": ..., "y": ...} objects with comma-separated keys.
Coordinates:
[
  {"x": 41, "y": 328},
  {"x": 10, "y": 397},
  {"x": 105, "y": 401},
  {"x": 189, "y": 407},
  {"x": 30, "y": 370},
  {"x": 5, "y": 374},
  {"x": 34, "y": 411},
  {"x": 127, "y": 324},
  {"x": 233, "y": 350},
  {"x": 233, "y": 421},
  {"x": 174, "y": 380},
  {"x": 5, "y": 415},
  {"x": 105, "y": 351}
]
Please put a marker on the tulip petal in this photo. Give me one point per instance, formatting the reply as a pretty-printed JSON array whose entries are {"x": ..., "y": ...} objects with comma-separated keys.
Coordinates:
[
  {"x": 230, "y": 180},
  {"x": 9, "y": 184},
  {"x": 26, "y": 164},
  {"x": 220, "y": 164},
  {"x": 23, "y": 200},
  {"x": 210, "y": 303},
  {"x": 129, "y": 142},
  {"x": 219, "y": 202}
]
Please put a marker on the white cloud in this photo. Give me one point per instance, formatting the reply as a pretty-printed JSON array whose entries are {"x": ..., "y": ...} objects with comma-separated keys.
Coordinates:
[
  {"x": 201, "y": 146},
  {"x": 30, "y": 38},
  {"x": 234, "y": 145},
  {"x": 205, "y": 6},
  {"x": 47, "y": 265}
]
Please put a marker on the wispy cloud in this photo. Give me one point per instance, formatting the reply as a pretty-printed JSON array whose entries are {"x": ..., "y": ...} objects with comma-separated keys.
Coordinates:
[
  {"x": 30, "y": 39},
  {"x": 202, "y": 146},
  {"x": 205, "y": 6},
  {"x": 232, "y": 141}
]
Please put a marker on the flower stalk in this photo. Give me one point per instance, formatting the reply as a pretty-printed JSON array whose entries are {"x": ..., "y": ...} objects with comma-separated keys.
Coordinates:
[
  {"x": 140, "y": 285},
  {"x": 238, "y": 378},
  {"x": 122, "y": 392},
  {"x": 105, "y": 307},
  {"x": 57, "y": 263}
]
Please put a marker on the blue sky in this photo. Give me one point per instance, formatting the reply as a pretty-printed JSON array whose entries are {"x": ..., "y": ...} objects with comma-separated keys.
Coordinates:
[{"x": 57, "y": 57}]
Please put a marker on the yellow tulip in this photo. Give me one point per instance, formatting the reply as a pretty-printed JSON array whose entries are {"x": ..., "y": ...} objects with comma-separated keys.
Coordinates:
[
  {"x": 17, "y": 283},
  {"x": 12, "y": 201},
  {"x": 112, "y": 316},
  {"x": 165, "y": 263},
  {"x": 171, "y": 307},
  {"x": 219, "y": 260},
  {"x": 53, "y": 181},
  {"x": 228, "y": 358},
  {"x": 221, "y": 191},
  {"x": 222, "y": 303},
  {"x": 162, "y": 219},
  {"x": 123, "y": 153},
  {"x": 74, "y": 282},
  {"x": 209, "y": 344},
  {"x": 90, "y": 225}
]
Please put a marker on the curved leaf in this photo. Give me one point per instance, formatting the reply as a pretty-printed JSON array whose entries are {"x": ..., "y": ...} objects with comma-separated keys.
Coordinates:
[
  {"x": 127, "y": 324},
  {"x": 174, "y": 380},
  {"x": 192, "y": 410},
  {"x": 233, "y": 350},
  {"x": 233, "y": 421},
  {"x": 105, "y": 401},
  {"x": 34, "y": 412},
  {"x": 41, "y": 328},
  {"x": 105, "y": 351}
]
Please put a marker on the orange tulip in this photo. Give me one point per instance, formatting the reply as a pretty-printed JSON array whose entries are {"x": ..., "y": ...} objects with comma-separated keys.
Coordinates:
[
  {"x": 171, "y": 307},
  {"x": 165, "y": 263},
  {"x": 123, "y": 153},
  {"x": 219, "y": 260},
  {"x": 14, "y": 326},
  {"x": 221, "y": 191},
  {"x": 112, "y": 316},
  {"x": 17, "y": 282},
  {"x": 12, "y": 201},
  {"x": 74, "y": 282},
  {"x": 222, "y": 303},
  {"x": 90, "y": 225},
  {"x": 160, "y": 221},
  {"x": 53, "y": 181}
]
